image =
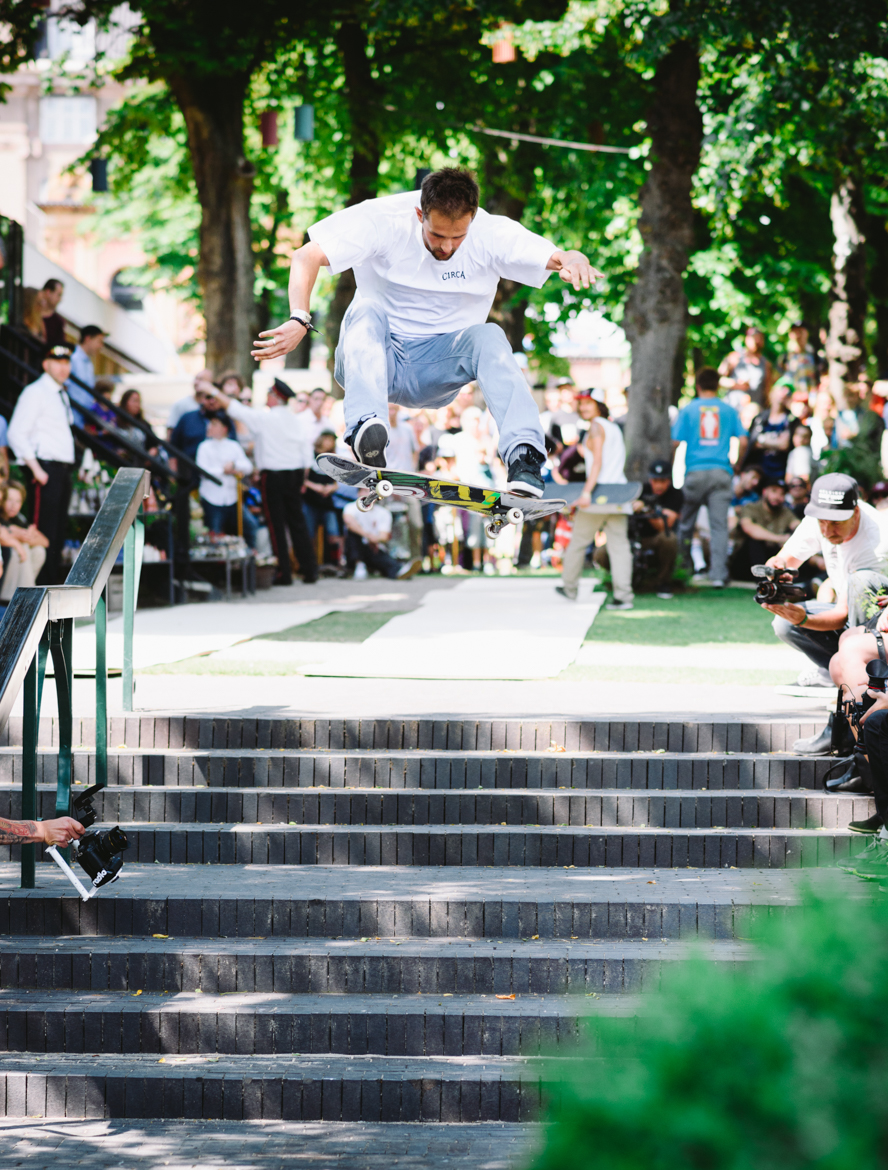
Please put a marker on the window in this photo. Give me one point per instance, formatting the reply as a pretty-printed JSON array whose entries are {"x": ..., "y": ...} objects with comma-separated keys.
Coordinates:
[{"x": 69, "y": 121}]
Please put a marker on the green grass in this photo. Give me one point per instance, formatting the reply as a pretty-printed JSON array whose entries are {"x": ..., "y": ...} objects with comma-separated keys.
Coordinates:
[
  {"x": 700, "y": 615},
  {"x": 341, "y": 626}
]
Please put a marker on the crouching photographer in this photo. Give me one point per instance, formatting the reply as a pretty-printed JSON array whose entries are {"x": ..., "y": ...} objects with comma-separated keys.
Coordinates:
[{"x": 852, "y": 537}]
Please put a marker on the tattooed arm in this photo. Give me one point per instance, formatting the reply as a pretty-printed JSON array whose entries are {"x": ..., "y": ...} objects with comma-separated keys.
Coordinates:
[{"x": 57, "y": 832}]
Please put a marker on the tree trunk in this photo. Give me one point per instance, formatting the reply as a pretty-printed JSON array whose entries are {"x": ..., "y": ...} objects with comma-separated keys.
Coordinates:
[
  {"x": 363, "y": 103},
  {"x": 656, "y": 314},
  {"x": 845, "y": 346},
  {"x": 213, "y": 113},
  {"x": 877, "y": 234}
]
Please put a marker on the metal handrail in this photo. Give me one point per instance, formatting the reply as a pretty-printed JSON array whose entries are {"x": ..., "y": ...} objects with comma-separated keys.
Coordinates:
[{"x": 39, "y": 622}]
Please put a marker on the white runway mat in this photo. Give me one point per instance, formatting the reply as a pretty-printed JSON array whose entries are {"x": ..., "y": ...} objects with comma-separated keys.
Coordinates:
[
  {"x": 483, "y": 629},
  {"x": 169, "y": 635}
]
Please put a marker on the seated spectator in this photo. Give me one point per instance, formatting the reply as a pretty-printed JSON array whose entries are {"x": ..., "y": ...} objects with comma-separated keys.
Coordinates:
[
  {"x": 766, "y": 527},
  {"x": 798, "y": 495},
  {"x": 317, "y": 498},
  {"x": 800, "y": 462},
  {"x": 746, "y": 486},
  {"x": 24, "y": 546},
  {"x": 366, "y": 535},
  {"x": 771, "y": 433},
  {"x": 203, "y": 380},
  {"x": 223, "y": 457},
  {"x": 147, "y": 441},
  {"x": 657, "y": 514},
  {"x": 878, "y": 496}
]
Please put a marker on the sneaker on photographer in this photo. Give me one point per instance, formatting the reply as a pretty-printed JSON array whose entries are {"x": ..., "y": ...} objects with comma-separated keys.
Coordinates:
[{"x": 816, "y": 676}]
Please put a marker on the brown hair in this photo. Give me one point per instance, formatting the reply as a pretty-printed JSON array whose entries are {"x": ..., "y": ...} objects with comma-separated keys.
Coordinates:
[
  {"x": 707, "y": 378},
  {"x": 223, "y": 378},
  {"x": 452, "y": 191}
]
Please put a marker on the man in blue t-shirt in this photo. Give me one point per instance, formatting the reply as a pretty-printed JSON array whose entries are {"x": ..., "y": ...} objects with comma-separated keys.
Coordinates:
[{"x": 707, "y": 426}]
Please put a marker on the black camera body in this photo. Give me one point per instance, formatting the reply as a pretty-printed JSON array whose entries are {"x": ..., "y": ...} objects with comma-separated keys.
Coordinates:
[
  {"x": 877, "y": 680},
  {"x": 777, "y": 586},
  {"x": 98, "y": 853}
]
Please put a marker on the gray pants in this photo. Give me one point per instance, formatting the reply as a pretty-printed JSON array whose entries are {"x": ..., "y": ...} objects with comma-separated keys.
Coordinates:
[
  {"x": 820, "y": 645},
  {"x": 619, "y": 551},
  {"x": 375, "y": 368},
  {"x": 713, "y": 488}
]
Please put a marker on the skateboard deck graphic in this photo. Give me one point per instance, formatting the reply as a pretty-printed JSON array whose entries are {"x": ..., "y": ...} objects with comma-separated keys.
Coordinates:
[
  {"x": 500, "y": 507},
  {"x": 607, "y": 497}
]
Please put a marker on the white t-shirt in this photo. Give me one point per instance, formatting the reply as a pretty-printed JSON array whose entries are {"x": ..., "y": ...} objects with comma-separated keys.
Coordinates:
[
  {"x": 401, "y": 451},
  {"x": 214, "y": 454},
  {"x": 381, "y": 239},
  {"x": 868, "y": 549},
  {"x": 375, "y": 525}
]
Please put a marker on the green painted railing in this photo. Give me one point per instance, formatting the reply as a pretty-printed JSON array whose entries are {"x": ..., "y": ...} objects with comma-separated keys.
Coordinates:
[{"x": 39, "y": 623}]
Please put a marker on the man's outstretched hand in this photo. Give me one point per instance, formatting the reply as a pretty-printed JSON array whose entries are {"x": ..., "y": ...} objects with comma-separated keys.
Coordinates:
[
  {"x": 275, "y": 343},
  {"x": 574, "y": 269}
]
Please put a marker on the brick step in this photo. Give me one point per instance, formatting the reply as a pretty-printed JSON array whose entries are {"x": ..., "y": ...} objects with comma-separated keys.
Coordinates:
[
  {"x": 305, "y": 1088},
  {"x": 483, "y": 845},
  {"x": 273, "y": 1022},
  {"x": 401, "y": 902},
  {"x": 368, "y": 966},
  {"x": 740, "y": 809},
  {"x": 220, "y": 768},
  {"x": 748, "y": 734}
]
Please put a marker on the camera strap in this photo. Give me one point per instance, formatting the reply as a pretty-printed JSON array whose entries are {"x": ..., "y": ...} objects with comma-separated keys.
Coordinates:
[{"x": 880, "y": 646}]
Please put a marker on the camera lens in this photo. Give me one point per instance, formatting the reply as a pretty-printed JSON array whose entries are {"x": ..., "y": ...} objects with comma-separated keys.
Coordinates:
[{"x": 115, "y": 840}]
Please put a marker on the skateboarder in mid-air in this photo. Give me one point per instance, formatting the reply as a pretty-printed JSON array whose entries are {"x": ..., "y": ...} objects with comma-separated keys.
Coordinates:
[{"x": 427, "y": 264}]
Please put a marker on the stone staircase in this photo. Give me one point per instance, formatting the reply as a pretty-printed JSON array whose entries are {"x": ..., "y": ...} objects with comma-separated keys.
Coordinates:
[{"x": 386, "y": 920}]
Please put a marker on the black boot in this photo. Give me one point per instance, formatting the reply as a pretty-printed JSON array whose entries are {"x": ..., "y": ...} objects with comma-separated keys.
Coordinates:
[{"x": 871, "y": 825}]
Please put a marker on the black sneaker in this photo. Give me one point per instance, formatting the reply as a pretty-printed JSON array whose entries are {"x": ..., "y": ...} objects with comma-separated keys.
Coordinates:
[
  {"x": 871, "y": 825},
  {"x": 524, "y": 473},
  {"x": 369, "y": 442}
]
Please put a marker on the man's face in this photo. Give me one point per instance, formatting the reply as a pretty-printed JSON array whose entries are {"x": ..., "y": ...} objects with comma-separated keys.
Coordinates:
[
  {"x": 755, "y": 341},
  {"x": 211, "y": 402},
  {"x": 93, "y": 345},
  {"x": 587, "y": 408},
  {"x": 838, "y": 531},
  {"x": 774, "y": 497},
  {"x": 800, "y": 336},
  {"x": 316, "y": 402},
  {"x": 798, "y": 490},
  {"x": 660, "y": 484},
  {"x": 394, "y": 410},
  {"x": 53, "y": 296},
  {"x": 442, "y": 235},
  {"x": 58, "y": 368},
  {"x": 216, "y": 429},
  {"x": 552, "y": 399}
]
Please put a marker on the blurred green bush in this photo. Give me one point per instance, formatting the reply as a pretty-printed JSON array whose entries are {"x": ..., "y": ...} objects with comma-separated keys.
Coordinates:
[{"x": 779, "y": 1065}]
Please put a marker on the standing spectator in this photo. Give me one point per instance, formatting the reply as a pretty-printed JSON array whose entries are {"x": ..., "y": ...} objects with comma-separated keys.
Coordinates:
[
  {"x": 402, "y": 449},
  {"x": 707, "y": 426},
  {"x": 83, "y": 372},
  {"x": 746, "y": 373},
  {"x": 202, "y": 382},
  {"x": 367, "y": 533},
  {"x": 224, "y": 458},
  {"x": 314, "y": 419},
  {"x": 799, "y": 363},
  {"x": 26, "y": 542},
  {"x": 282, "y": 454},
  {"x": 40, "y": 436},
  {"x": 800, "y": 463},
  {"x": 605, "y": 455},
  {"x": 771, "y": 433},
  {"x": 658, "y": 511},
  {"x": 317, "y": 498},
  {"x": 766, "y": 527},
  {"x": 145, "y": 440},
  {"x": 191, "y": 429},
  {"x": 49, "y": 299}
]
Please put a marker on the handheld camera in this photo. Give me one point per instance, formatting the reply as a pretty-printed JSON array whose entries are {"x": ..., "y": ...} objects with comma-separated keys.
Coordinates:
[
  {"x": 876, "y": 680},
  {"x": 777, "y": 586},
  {"x": 98, "y": 853}
]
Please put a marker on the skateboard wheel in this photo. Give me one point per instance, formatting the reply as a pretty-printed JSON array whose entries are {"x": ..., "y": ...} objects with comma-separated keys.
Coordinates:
[
  {"x": 515, "y": 516},
  {"x": 492, "y": 530},
  {"x": 365, "y": 504},
  {"x": 385, "y": 488}
]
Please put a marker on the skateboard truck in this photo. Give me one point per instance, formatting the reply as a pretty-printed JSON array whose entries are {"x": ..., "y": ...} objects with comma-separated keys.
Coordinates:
[
  {"x": 383, "y": 489},
  {"x": 495, "y": 527}
]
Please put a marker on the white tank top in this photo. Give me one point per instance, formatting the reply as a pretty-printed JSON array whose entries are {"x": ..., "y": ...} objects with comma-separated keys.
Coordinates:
[{"x": 613, "y": 454}]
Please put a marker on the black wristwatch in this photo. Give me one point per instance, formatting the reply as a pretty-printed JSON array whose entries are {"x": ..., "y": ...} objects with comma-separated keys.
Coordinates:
[{"x": 304, "y": 319}]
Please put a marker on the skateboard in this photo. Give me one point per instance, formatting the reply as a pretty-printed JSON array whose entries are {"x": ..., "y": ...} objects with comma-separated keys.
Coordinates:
[
  {"x": 607, "y": 497},
  {"x": 502, "y": 508}
]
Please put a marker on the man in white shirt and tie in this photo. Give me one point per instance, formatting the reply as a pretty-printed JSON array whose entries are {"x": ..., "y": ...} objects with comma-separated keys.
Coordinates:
[
  {"x": 41, "y": 439},
  {"x": 282, "y": 453}
]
